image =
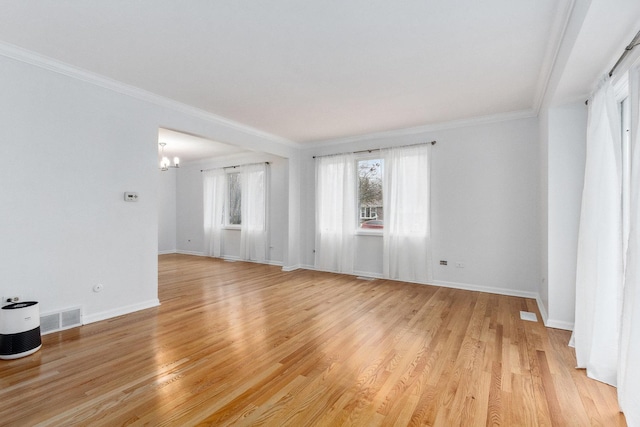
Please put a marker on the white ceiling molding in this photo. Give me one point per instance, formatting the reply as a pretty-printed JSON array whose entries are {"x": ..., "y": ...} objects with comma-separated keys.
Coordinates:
[
  {"x": 321, "y": 72},
  {"x": 41, "y": 61},
  {"x": 558, "y": 31},
  {"x": 23, "y": 55},
  {"x": 305, "y": 71}
]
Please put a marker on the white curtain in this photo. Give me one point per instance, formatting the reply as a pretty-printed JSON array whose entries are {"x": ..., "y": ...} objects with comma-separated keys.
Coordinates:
[
  {"x": 599, "y": 265},
  {"x": 336, "y": 207},
  {"x": 214, "y": 191},
  {"x": 406, "y": 200},
  {"x": 253, "y": 231},
  {"x": 629, "y": 361}
]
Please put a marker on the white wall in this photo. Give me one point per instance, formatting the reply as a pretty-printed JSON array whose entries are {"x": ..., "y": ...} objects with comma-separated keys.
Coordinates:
[
  {"x": 190, "y": 235},
  {"x": 73, "y": 149},
  {"x": 292, "y": 249},
  {"x": 189, "y": 211},
  {"x": 485, "y": 209},
  {"x": 543, "y": 302},
  {"x": 167, "y": 211},
  {"x": 593, "y": 40},
  {"x": 566, "y": 160},
  {"x": 73, "y": 144}
]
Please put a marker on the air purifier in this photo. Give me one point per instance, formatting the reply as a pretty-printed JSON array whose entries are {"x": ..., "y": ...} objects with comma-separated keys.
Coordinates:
[{"x": 19, "y": 330}]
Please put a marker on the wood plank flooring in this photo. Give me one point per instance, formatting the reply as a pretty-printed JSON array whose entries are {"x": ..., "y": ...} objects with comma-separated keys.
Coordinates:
[{"x": 247, "y": 344}]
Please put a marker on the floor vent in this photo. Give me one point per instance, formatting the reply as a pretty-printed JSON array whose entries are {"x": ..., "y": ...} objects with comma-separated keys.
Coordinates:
[
  {"x": 529, "y": 316},
  {"x": 61, "y": 320},
  {"x": 365, "y": 278}
]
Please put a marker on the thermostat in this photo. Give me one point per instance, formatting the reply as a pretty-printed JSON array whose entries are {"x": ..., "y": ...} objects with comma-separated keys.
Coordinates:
[{"x": 130, "y": 196}]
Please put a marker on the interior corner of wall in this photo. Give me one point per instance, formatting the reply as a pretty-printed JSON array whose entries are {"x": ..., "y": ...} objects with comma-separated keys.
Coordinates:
[{"x": 543, "y": 311}]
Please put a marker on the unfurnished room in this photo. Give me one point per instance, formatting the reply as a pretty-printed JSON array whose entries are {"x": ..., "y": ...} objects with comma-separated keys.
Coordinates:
[{"x": 320, "y": 213}]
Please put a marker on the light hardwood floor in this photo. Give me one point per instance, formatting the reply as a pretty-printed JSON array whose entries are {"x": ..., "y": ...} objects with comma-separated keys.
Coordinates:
[{"x": 248, "y": 344}]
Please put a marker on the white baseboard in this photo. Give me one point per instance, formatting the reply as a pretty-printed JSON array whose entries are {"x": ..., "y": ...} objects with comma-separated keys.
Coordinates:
[
  {"x": 104, "y": 315},
  {"x": 559, "y": 324},
  {"x": 228, "y": 258},
  {"x": 238, "y": 259},
  {"x": 367, "y": 274},
  {"x": 291, "y": 267},
  {"x": 487, "y": 289},
  {"x": 167, "y": 252},
  {"x": 179, "y": 251},
  {"x": 552, "y": 323},
  {"x": 453, "y": 285}
]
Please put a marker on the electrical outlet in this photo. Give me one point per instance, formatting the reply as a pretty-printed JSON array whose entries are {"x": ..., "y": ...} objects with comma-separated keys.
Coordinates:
[{"x": 442, "y": 262}]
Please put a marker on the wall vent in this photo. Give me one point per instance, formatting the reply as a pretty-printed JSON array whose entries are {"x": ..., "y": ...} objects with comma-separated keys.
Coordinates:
[{"x": 61, "y": 320}]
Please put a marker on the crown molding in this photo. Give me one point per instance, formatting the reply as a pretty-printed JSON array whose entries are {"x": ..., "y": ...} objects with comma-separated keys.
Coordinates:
[
  {"x": 558, "y": 31},
  {"x": 23, "y": 55},
  {"x": 41, "y": 61},
  {"x": 453, "y": 124}
]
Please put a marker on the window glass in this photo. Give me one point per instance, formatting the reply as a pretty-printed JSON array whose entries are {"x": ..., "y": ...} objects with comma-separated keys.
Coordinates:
[
  {"x": 371, "y": 210},
  {"x": 235, "y": 195}
]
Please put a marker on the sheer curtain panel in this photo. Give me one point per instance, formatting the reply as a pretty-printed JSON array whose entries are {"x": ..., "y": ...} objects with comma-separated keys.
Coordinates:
[
  {"x": 629, "y": 361},
  {"x": 599, "y": 265},
  {"x": 406, "y": 195},
  {"x": 336, "y": 206},
  {"x": 214, "y": 193},
  {"x": 253, "y": 231}
]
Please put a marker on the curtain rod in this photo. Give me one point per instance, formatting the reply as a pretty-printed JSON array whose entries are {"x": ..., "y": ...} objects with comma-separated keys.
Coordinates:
[
  {"x": 234, "y": 166},
  {"x": 635, "y": 42},
  {"x": 378, "y": 149}
]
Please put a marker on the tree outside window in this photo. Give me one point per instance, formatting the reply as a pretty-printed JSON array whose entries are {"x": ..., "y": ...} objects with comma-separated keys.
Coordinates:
[
  {"x": 235, "y": 196},
  {"x": 370, "y": 173}
]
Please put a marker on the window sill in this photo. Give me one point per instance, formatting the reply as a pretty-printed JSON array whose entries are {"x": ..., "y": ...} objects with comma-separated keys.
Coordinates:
[
  {"x": 365, "y": 232},
  {"x": 232, "y": 227}
]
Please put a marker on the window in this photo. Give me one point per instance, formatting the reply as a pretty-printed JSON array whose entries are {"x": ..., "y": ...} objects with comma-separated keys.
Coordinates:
[
  {"x": 368, "y": 212},
  {"x": 236, "y": 199},
  {"x": 395, "y": 191},
  {"x": 370, "y": 206},
  {"x": 234, "y": 191}
]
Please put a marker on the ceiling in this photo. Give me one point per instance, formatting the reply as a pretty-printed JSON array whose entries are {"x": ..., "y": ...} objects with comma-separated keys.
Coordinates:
[{"x": 313, "y": 70}]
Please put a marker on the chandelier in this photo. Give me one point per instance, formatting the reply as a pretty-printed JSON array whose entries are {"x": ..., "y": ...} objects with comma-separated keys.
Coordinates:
[{"x": 165, "y": 164}]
